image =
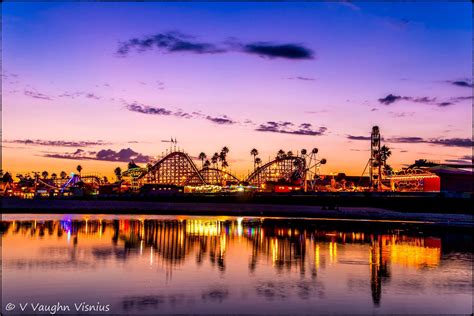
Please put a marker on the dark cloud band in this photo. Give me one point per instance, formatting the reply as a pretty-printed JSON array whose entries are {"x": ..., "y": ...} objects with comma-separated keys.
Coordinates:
[
  {"x": 123, "y": 155},
  {"x": 289, "y": 128},
  {"x": 175, "y": 42}
]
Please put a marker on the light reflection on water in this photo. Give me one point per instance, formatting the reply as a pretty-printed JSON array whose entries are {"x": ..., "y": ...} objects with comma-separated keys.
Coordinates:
[{"x": 157, "y": 264}]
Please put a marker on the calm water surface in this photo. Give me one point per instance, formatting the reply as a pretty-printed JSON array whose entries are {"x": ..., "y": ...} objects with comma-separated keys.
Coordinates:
[{"x": 164, "y": 264}]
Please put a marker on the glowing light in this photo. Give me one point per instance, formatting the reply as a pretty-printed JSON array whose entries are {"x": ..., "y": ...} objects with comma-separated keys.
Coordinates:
[{"x": 239, "y": 226}]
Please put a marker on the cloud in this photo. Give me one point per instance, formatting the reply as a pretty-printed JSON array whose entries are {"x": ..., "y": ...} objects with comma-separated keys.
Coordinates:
[
  {"x": 270, "y": 50},
  {"x": 123, "y": 155},
  {"x": 301, "y": 78},
  {"x": 391, "y": 98},
  {"x": 443, "y": 104},
  {"x": 74, "y": 95},
  {"x": 401, "y": 114},
  {"x": 462, "y": 98},
  {"x": 447, "y": 142},
  {"x": 37, "y": 95},
  {"x": 145, "y": 109},
  {"x": 462, "y": 83},
  {"x": 289, "y": 128},
  {"x": 175, "y": 42},
  {"x": 353, "y": 137},
  {"x": 220, "y": 120},
  {"x": 467, "y": 160},
  {"x": 56, "y": 143},
  {"x": 169, "y": 42}
]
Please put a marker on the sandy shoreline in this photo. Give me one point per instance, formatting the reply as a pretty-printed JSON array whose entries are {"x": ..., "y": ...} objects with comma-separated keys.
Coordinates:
[{"x": 230, "y": 209}]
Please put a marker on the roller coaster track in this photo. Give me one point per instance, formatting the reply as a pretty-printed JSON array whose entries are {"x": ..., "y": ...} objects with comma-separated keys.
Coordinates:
[
  {"x": 174, "y": 168},
  {"x": 275, "y": 170},
  {"x": 213, "y": 176},
  {"x": 179, "y": 169}
]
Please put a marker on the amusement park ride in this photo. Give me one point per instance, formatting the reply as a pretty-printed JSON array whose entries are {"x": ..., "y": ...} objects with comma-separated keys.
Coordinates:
[
  {"x": 177, "y": 168},
  {"x": 384, "y": 179}
]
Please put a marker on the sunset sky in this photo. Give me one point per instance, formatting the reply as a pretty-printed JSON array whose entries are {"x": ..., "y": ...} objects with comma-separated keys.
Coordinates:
[{"x": 99, "y": 83}]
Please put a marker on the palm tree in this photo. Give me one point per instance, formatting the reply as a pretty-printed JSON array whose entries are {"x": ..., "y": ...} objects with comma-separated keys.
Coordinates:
[
  {"x": 202, "y": 156},
  {"x": 44, "y": 174},
  {"x": 79, "y": 169},
  {"x": 215, "y": 159},
  {"x": 303, "y": 152},
  {"x": 6, "y": 177},
  {"x": 289, "y": 154},
  {"x": 280, "y": 154},
  {"x": 63, "y": 174},
  {"x": 118, "y": 173},
  {"x": 385, "y": 152},
  {"x": 314, "y": 150},
  {"x": 54, "y": 176},
  {"x": 223, "y": 156},
  {"x": 207, "y": 164},
  {"x": 254, "y": 153},
  {"x": 258, "y": 161},
  {"x": 225, "y": 164}
]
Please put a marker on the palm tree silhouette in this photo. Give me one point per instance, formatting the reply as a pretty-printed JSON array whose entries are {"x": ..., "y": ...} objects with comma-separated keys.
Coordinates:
[
  {"x": 303, "y": 152},
  {"x": 258, "y": 161},
  {"x": 280, "y": 154},
  {"x": 79, "y": 169},
  {"x": 202, "y": 157},
  {"x": 44, "y": 174},
  {"x": 54, "y": 176},
  {"x": 254, "y": 153},
  {"x": 63, "y": 174},
  {"x": 214, "y": 159},
  {"x": 6, "y": 177},
  {"x": 223, "y": 156},
  {"x": 207, "y": 164},
  {"x": 385, "y": 152},
  {"x": 118, "y": 173}
]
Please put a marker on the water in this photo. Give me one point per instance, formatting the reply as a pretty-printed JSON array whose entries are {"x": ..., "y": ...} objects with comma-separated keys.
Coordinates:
[{"x": 173, "y": 264}]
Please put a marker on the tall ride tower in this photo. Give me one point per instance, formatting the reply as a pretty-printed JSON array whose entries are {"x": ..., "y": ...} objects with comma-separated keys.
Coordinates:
[{"x": 375, "y": 161}]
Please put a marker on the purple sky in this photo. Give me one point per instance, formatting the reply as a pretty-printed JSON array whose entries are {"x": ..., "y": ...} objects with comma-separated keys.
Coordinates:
[{"x": 83, "y": 78}]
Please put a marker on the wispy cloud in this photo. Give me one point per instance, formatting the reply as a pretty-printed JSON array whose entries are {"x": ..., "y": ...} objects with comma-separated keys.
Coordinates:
[
  {"x": 73, "y": 95},
  {"x": 461, "y": 83},
  {"x": 271, "y": 50},
  {"x": 37, "y": 95},
  {"x": 391, "y": 98},
  {"x": 176, "y": 42},
  {"x": 169, "y": 42},
  {"x": 290, "y": 128},
  {"x": 355, "y": 137},
  {"x": 145, "y": 109},
  {"x": 56, "y": 143},
  {"x": 447, "y": 142},
  {"x": 462, "y": 160},
  {"x": 123, "y": 155},
  {"x": 224, "y": 120},
  {"x": 150, "y": 110},
  {"x": 302, "y": 78}
]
